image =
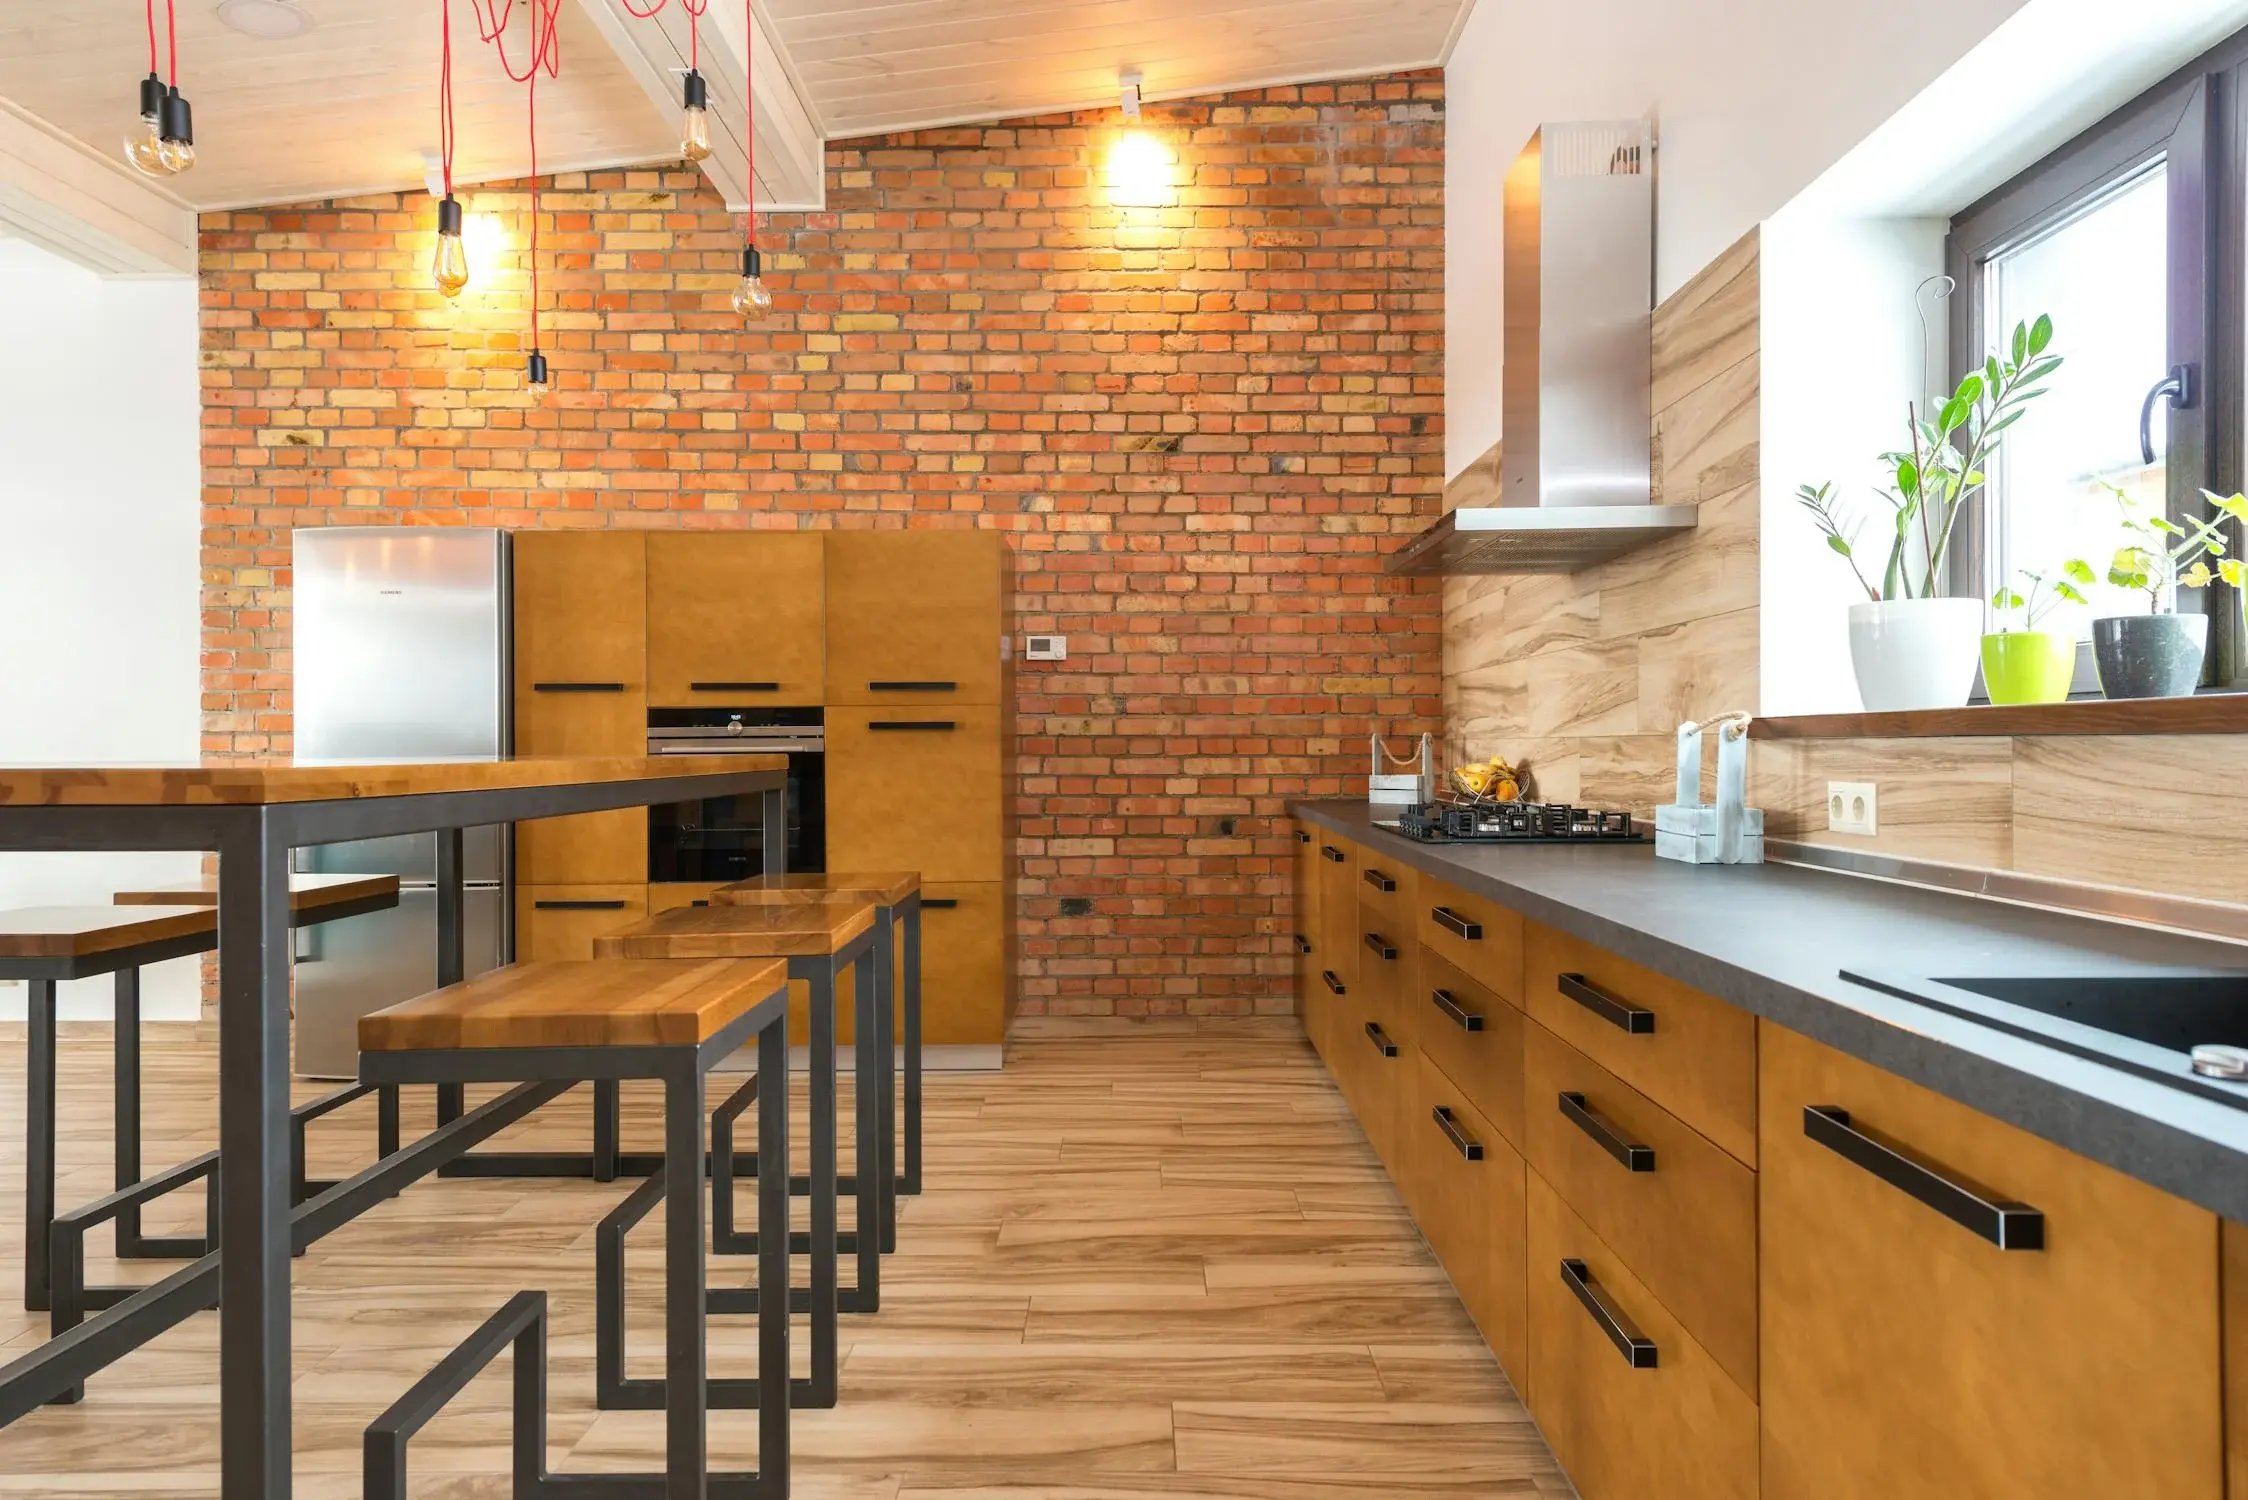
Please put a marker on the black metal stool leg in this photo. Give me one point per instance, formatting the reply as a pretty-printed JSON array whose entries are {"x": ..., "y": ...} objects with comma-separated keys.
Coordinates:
[
  {"x": 127, "y": 1116},
  {"x": 686, "y": 1347},
  {"x": 909, "y": 1181},
  {"x": 824, "y": 1302},
  {"x": 868, "y": 1145},
  {"x": 39, "y": 1143},
  {"x": 774, "y": 1384},
  {"x": 884, "y": 970}
]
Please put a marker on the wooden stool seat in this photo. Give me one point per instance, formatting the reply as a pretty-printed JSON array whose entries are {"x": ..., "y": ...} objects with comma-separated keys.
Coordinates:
[
  {"x": 799, "y": 890},
  {"x": 71, "y": 932},
  {"x": 306, "y": 892},
  {"x": 598, "y": 1002},
  {"x": 802, "y": 931}
]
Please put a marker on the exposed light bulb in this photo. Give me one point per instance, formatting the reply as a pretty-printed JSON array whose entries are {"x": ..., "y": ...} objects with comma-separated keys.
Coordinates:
[
  {"x": 448, "y": 266},
  {"x": 145, "y": 141},
  {"x": 536, "y": 379},
  {"x": 694, "y": 120},
  {"x": 751, "y": 299},
  {"x": 176, "y": 126}
]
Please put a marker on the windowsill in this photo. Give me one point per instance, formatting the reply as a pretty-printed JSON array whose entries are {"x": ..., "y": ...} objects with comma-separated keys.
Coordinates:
[{"x": 2204, "y": 713}]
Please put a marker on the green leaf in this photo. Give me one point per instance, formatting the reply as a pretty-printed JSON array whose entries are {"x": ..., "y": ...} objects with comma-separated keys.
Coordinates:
[
  {"x": 1908, "y": 477},
  {"x": 2070, "y": 592},
  {"x": 2040, "y": 370},
  {"x": 1970, "y": 390},
  {"x": 2130, "y": 568},
  {"x": 2040, "y": 334},
  {"x": 2166, "y": 526},
  {"x": 2004, "y": 422},
  {"x": 2021, "y": 342},
  {"x": 2078, "y": 569},
  {"x": 1954, "y": 413},
  {"x": 2006, "y": 599},
  {"x": 2233, "y": 571},
  {"x": 1993, "y": 372},
  {"x": 2198, "y": 576},
  {"x": 1839, "y": 543}
]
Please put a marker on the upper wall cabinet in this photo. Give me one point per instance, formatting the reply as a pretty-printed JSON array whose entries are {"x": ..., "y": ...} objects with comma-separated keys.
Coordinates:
[
  {"x": 736, "y": 619},
  {"x": 914, "y": 617},
  {"x": 579, "y": 618}
]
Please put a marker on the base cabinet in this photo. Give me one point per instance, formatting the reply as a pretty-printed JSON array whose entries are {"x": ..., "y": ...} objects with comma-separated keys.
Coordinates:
[
  {"x": 561, "y": 921},
  {"x": 1465, "y": 1185},
  {"x": 1906, "y": 1353}
]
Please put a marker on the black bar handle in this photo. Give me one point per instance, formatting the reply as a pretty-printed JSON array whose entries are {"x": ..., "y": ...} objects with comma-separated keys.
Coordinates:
[
  {"x": 1379, "y": 881},
  {"x": 1302, "y": 837},
  {"x": 933, "y": 726},
  {"x": 577, "y": 687},
  {"x": 1380, "y": 1039},
  {"x": 734, "y": 687},
  {"x": 1461, "y": 1016},
  {"x": 1638, "y": 1352},
  {"x": 1452, "y": 922},
  {"x": 1303, "y": 944},
  {"x": 1470, "y": 1149},
  {"x": 1621, "y": 1014},
  {"x": 913, "y": 687},
  {"x": 1633, "y": 1156},
  {"x": 1381, "y": 946},
  {"x": 1331, "y": 852},
  {"x": 1332, "y": 982},
  {"x": 577, "y": 906},
  {"x": 939, "y": 903},
  {"x": 2006, "y": 1224}
]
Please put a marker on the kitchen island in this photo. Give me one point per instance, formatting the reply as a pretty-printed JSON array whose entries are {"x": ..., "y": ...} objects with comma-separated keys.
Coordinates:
[{"x": 1737, "y": 1226}]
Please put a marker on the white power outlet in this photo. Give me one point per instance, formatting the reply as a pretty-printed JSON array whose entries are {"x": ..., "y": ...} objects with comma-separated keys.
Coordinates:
[{"x": 1852, "y": 807}]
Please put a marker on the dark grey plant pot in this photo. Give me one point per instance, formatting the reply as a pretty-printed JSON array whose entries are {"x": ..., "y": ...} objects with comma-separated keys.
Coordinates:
[{"x": 2149, "y": 656}]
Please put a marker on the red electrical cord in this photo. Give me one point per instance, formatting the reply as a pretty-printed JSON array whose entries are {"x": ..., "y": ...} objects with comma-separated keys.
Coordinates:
[
  {"x": 534, "y": 93},
  {"x": 749, "y": 118},
  {"x": 546, "y": 47},
  {"x": 172, "y": 34},
  {"x": 445, "y": 98},
  {"x": 151, "y": 36}
]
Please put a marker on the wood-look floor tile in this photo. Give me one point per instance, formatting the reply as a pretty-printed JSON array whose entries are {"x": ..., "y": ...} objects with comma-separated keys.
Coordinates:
[
  {"x": 1132, "y": 1371},
  {"x": 1398, "y": 1442},
  {"x": 1275, "y": 1315}
]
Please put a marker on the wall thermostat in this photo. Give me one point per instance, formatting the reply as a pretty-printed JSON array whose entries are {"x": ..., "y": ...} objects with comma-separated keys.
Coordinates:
[{"x": 1046, "y": 648}]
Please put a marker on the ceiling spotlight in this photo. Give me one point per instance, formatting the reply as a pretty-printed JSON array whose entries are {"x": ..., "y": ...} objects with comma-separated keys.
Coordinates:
[{"x": 267, "y": 20}]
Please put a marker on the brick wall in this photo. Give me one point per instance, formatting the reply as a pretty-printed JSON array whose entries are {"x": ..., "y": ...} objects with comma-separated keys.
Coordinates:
[{"x": 1200, "y": 424}]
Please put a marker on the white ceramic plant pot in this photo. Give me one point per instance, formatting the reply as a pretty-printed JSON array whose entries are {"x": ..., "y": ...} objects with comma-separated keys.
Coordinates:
[{"x": 1915, "y": 653}]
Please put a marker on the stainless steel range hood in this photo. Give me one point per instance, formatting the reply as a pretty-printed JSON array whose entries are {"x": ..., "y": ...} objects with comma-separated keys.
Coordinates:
[{"x": 1574, "y": 484}]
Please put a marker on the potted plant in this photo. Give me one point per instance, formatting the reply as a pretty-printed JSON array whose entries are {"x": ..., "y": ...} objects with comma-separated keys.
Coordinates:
[
  {"x": 2158, "y": 654},
  {"x": 1911, "y": 646},
  {"x": 2031, "y": 665}
]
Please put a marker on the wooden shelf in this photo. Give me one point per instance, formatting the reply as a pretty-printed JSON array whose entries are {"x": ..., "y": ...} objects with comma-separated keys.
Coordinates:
[{"x": 2206, "y": 713}]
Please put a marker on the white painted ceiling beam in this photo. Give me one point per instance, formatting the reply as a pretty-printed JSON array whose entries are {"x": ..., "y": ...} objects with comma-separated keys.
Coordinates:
[
  {"x": 790, "y": 148},
  {"x": 61, "y": 195}
]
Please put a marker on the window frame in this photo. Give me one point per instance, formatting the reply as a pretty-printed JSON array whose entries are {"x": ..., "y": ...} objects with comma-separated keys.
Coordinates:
[{"x": 2197, "y": 122}]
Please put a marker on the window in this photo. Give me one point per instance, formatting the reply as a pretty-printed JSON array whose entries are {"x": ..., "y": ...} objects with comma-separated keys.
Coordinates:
[{"x": 2117, "y": 238}]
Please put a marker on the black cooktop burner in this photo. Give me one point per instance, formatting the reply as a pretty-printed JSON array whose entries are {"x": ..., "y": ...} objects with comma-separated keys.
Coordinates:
[{"x": 1513, "y": 823}]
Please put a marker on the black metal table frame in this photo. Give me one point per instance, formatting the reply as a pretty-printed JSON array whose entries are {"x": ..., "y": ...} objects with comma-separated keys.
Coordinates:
[{"x": 252, "y": 841}]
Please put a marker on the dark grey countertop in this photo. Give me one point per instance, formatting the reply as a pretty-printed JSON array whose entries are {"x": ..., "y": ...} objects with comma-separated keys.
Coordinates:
[{"x": 1773, "y": 939}]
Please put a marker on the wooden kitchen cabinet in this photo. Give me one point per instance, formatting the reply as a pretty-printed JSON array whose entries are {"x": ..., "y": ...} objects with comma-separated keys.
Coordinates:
[
  {"x": 1905, "y": 1353},
  {"x": 1475, "y": 1037},
  {"x": 915, "y": 618},
  {"x": 2234, "y": 1274},
  {"x": 1336, "y": 943},
  {"x": 1466, "y": 1186},
  {"x": 581, "y": 689},
  {"x": 1480, "y": 938},
  {"x": 963, "y": 963},
  {"x": 1669, "y": 1423},
  {"x": 561, "y": 921},
  {"x": 736, "y": 619},
  {"x": 1305, "y": 940},
  {"x": 916, "y": 788}
]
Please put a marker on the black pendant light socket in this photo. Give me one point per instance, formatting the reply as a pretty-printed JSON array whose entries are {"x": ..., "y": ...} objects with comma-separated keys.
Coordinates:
[
  {"x": 753, "y": 264},
  {"x": 698, "y": 92},
  {"x": 175, "y": 122},
  {"x": 448, "y": 215},
  {"x": 536, "y": 375},
  {"x": 152, "y": 96}
]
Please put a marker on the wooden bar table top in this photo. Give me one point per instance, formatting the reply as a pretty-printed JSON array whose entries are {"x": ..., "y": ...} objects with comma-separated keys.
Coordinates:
[{"x": 252, "y": 782}]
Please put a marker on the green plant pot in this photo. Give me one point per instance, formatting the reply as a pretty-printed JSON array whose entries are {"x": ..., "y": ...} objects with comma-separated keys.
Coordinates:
[{"x": 2028, "y": 666}]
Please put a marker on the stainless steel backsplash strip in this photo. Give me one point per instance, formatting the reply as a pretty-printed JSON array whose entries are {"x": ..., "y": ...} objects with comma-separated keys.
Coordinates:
[{"x": 2215, "y": 919}]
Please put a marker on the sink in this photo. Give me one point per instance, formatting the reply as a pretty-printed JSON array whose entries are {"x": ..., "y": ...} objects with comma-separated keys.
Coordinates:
[{"x": 2147, "y": 1023}]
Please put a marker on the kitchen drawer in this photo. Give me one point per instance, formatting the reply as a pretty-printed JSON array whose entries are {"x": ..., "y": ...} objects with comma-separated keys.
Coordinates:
[
  {"x": 1475, "y": 1037},
  {"x": 1466, "y": 1188},
  {"x": 1385, "y": 886},
  {"x": 914, "y": 618},
  {"x": 1679, "y": 1212},
  {"x": 963, "y": 964},
  {"x": 1378, "y": 1078},
  {"x": 1689, "y": 1052},
  {"x": 1305, "y": 940},
  {"x": 1906, "y": 1353},
  {"x": 915, "y": 788},
  {"x": 561, "y": 921},
  {"x": 736, "y": 619},
  {"x": 1386, "y": 965},
  {"x": 1481, "y": 939},
  {"x": 1336, "y": 941},
  {"x": 1669, "y": 1423}
]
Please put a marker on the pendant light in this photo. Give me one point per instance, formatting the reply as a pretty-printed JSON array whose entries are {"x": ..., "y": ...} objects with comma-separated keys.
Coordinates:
[
  {"x": 546, "y": 57},
  {"x": 752, "y": 300},
  {"x": 162, "y": 142},
  {"x": 694, "y": 119},
  {"x": 448, "y": 265}
]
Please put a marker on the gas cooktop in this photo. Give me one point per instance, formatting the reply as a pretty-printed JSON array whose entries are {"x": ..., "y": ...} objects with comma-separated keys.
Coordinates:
[{"x": 1512, "y": 823}]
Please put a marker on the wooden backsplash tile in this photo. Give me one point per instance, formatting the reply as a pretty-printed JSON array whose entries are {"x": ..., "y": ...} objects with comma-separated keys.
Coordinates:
[
  {"x": 2152, "y": 812},
  {"x": 1709, "y": 324},
  {"x": 1948, "y": 800}
]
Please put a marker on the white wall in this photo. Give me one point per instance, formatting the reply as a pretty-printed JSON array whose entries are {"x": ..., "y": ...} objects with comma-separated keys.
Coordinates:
[
  {"x": 99, "y": 617},
  {"x": 1752, "y": 100}
]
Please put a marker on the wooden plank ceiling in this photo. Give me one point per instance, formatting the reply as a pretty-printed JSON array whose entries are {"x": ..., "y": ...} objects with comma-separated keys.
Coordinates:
[
  {"x": 879, "y": 65},
  {"x": 351, "y": 106}
]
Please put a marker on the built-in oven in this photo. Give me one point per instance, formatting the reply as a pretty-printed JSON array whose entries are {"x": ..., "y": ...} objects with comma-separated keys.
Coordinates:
[{"x": 721, "y": 839}]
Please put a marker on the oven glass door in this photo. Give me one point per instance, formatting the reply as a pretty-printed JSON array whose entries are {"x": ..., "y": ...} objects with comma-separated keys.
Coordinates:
[{"x": 721, "y": 839}]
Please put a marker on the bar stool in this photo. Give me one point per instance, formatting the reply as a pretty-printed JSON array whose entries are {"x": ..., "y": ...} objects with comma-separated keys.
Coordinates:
[
  {"x": 819, "y": 942},
  {"x": 895, "y": 896}
]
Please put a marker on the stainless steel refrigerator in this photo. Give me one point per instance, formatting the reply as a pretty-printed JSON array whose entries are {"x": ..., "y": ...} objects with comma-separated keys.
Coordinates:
[{"x": 400, "y": 642}]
